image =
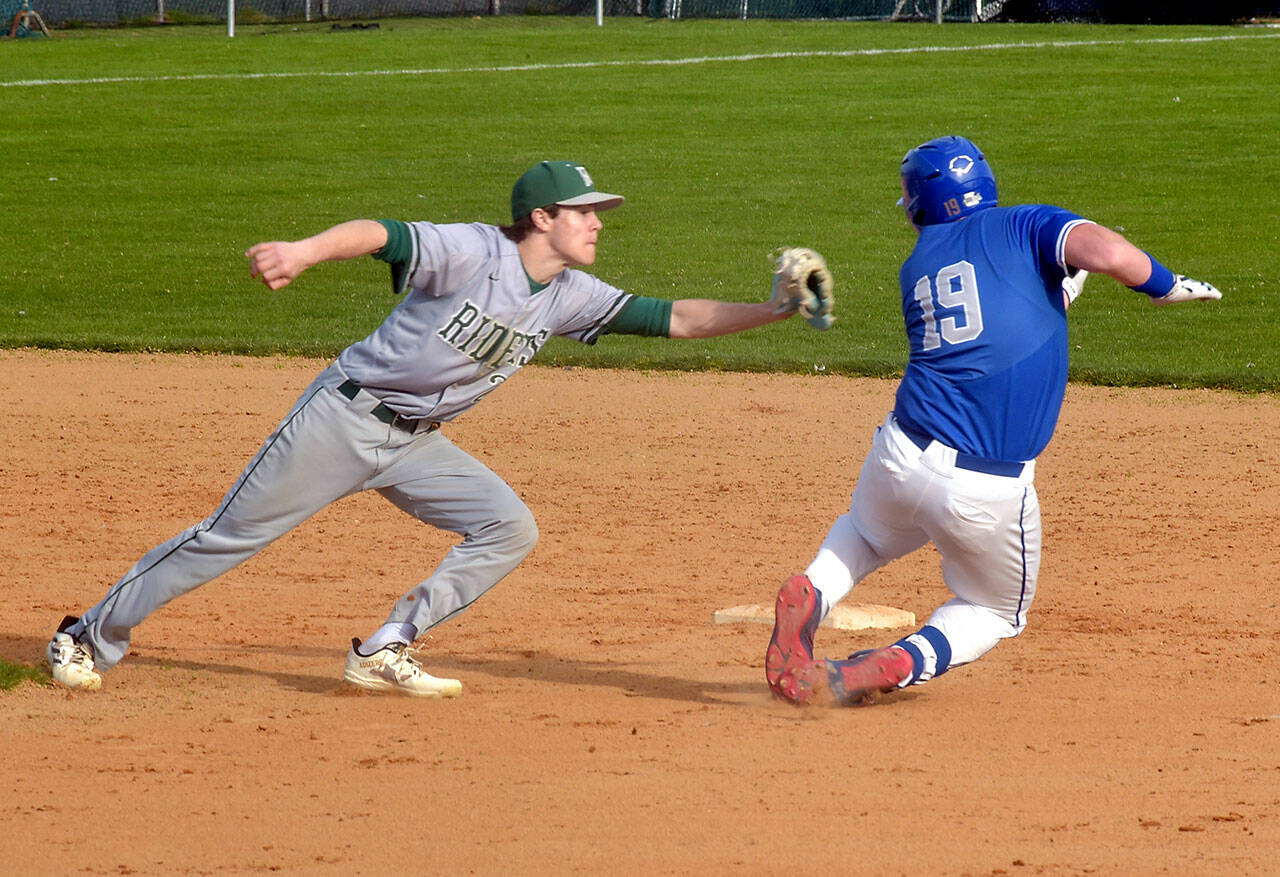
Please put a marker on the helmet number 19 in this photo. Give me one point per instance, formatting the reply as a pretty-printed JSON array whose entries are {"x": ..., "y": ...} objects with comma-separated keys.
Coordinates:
[{"x": 954, "y": 287}]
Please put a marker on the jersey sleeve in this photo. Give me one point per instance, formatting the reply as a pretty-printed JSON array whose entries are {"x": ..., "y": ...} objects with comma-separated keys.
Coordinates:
[
  {"x": 588, "y": 305},
  {"x": 1049, "y": 228}
]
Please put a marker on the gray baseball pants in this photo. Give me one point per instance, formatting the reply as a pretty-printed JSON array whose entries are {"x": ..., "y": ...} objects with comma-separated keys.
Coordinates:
[{"x": 329, "y": 447}]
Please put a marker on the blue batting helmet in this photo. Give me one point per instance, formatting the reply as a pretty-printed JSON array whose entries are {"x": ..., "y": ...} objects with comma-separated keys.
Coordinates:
[{"x": 946, "y": 179}]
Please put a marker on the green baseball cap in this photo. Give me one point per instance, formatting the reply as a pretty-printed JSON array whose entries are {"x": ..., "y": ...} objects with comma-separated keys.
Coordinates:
[{"x": 566, "y": 183}]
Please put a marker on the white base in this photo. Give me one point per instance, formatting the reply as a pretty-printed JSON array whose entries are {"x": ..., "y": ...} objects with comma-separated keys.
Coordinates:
[{"x": 856, "y": 617}]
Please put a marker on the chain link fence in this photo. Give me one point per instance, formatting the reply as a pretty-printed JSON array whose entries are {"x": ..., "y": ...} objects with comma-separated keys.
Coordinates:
[
  {"x": 849, "y": 10},
  {"x": 68, "y": 13},
  {"x": 1139, "y": 11}
]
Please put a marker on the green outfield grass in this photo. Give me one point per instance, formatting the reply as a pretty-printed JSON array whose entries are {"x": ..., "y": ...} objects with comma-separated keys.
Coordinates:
[{"x": 140, "y": 164}]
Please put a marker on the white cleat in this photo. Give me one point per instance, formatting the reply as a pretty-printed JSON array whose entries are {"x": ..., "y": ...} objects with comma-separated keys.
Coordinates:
[
  {"x": 393, "y": 668},
  {"x": 71, "y": 663}
]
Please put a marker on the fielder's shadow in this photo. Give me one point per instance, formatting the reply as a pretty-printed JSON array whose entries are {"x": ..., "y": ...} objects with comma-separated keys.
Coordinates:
[
  {"x": 537, "y": 666},
  {"x": 304, "y": 682},
  {"x": 30, "y": 650}
]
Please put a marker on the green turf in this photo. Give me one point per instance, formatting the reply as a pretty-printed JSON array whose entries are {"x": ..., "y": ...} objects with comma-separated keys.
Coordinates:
[
  {"x": 12, "y": 675},
  {"x": 127, "y": 205}
]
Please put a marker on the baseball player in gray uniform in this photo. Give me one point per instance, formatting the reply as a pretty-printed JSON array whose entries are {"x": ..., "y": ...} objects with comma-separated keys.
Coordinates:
[{"x": 480, "y": 300}]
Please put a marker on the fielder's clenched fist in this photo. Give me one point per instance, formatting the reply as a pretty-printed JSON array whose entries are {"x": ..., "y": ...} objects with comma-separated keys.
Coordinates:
[{"x": 277, "y": 263}]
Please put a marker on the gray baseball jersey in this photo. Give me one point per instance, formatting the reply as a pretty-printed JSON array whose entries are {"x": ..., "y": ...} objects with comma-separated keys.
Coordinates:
[{"x": 470, "y": 319}]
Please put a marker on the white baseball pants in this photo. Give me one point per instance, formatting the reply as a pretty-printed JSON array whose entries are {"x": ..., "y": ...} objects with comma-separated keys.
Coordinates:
[{"x": 985, "y": 527}]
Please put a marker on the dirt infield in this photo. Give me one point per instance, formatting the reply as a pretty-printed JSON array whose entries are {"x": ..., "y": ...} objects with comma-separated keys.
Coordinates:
[{"x": 606, "y": 725}]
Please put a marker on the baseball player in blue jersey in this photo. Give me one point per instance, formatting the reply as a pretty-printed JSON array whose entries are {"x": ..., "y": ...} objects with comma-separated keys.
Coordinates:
[
  {"x": 480, "y": 300},
  {"x": 984, "y": 297}
]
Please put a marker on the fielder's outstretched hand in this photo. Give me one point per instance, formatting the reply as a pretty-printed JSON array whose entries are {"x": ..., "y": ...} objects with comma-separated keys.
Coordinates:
[
  {"x": 1186, "y": 289},
  {"x": 278, "y": 263}
]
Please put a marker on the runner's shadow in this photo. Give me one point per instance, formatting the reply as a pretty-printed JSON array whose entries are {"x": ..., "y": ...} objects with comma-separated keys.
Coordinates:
[{"x": 629, "y": 679}]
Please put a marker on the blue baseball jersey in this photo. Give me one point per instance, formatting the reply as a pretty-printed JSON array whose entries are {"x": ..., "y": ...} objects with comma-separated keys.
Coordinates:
[{"x": 986, "y": 322}]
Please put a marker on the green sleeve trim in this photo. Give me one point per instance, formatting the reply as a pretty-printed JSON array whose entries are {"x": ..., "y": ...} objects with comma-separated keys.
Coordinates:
[
  {"x": 643, "y": 316},
  {"x": 398, "y": 250}
]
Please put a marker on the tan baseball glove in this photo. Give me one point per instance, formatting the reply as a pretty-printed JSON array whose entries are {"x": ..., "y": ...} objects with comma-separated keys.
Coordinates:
[{"x": 803, "y": 284}]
